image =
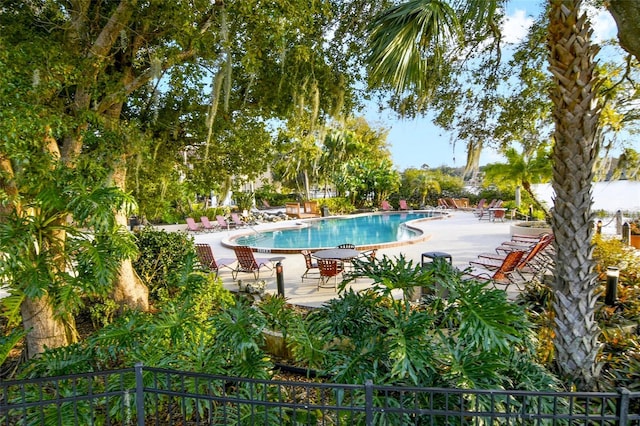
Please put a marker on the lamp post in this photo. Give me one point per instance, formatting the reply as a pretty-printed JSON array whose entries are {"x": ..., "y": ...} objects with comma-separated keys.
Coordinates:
[
  {"x": 611, "y": 294},
  {"x": 280, "y": 279},
  {"x": 626, "y": 234}
]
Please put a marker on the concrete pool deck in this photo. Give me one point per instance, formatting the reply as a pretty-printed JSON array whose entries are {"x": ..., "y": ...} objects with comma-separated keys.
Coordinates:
[{"x": 460, "y": 234}]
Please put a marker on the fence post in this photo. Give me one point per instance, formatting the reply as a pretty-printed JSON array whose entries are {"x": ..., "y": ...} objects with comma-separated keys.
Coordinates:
[
  {"x": 139, "y": 394},
  {"x": 368, "y": 402},
  {"x": 623, "y": 406}
]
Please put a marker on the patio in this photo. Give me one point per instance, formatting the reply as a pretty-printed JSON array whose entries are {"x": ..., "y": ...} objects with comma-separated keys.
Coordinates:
[{"x": 461, "y": 235}]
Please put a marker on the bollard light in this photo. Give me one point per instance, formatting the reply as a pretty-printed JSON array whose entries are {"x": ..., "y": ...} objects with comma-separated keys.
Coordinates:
[
  {"x": 280, "y": 279},
  {"x": 611, "y": 294},
  {"x": 626, "y": 234}
]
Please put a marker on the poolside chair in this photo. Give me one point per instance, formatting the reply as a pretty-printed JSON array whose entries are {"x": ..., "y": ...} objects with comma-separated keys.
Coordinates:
[
  {"x": 451, "y": 203},
  {"x": 208, "y": 260},
  {"x": 206, "y": 224},
  {"x": 223, "y": 224},
  {"x": 403, "y": 205},
  {"x": 368, "y": 255},
  {"x": 442, "y": 204},
  {"x": 248, "y": 263},
  {"x": 523, "y": 242},
  {"x": 310, "y": 263},
  {"x": 347, "y": 246},
  {"x": 192, "y": 226},
  {"x": 533, "y": 262},
  {"x": 385, "y": 206},
  {"x": 502, "y": 275},
  {"x": 479, "y": 210},
  {"x": 329, "y": 268},
  {"x": 237, "y": 222}
]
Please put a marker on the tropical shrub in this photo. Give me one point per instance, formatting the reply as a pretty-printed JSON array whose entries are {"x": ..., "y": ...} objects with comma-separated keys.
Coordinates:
[
  {"x": 180, "y": 334},
  {"x": 445, "y": 341},
  {"x": 336, "y": 205},
  {"x": 618, "y": 358},
  {"x": 161, "y": 255}
]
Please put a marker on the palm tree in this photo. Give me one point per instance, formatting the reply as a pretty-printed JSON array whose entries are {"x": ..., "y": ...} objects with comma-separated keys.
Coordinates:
[
  {"x": 411, "y": 38},
  {"x": 576, "y": 114},
  {"x": 524, "y": 169}
]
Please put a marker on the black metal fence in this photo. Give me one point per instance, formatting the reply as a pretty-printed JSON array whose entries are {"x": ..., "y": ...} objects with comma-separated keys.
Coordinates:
[{"x": 153, "y": 396}]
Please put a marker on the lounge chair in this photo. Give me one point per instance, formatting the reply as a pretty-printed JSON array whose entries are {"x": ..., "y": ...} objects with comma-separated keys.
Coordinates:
[
  {"x": 237, "y": 222},
  {"x": 208, "y": 260},
  {"x": 329, "y": 268},
  {"x": 367, "y": 255},
  {"x": 385, "y": 206},
  {"x": 442, "y": 204},
  {"x": 192, "y": 226},
  {"x": 485, "y": 213},
  {"x": 403, "y": 205},
  {"x": 206, "y": 224},
  {"x": 248, "y": 263},
  {"x": 479, "y": 210},
  {"x": 310, "y": 263},
  {"x": 452, "y": 203},
  {"x": 533, "y": 262},
  {"x": 502, "y": 275},
  {"x": 223, "y": 224}
]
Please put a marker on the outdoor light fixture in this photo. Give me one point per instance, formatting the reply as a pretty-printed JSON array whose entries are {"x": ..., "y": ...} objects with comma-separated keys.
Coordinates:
[
  {"x": 611, "y": 294},
  {"x": 280, "y": 279}
]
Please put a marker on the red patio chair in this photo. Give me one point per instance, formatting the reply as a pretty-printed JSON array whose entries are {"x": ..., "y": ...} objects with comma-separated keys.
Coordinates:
[
  {"x": 237, "y": 222},
  {"x": 329, "y": 268},
  {"x": 208, "y": 260},
  {"x": 248, "y": 263},
  {"x": 310, "y": 263}
]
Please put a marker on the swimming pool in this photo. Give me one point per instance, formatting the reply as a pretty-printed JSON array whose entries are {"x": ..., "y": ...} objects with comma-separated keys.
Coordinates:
[{"x": 365, "y": 231}]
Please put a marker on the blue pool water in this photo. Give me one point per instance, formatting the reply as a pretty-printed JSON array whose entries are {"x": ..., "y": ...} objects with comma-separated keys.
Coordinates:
[{"x": 361, "y": 230}]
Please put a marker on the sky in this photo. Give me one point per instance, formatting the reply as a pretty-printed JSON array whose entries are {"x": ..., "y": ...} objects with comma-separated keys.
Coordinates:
[{"x": 416, "y": 142}]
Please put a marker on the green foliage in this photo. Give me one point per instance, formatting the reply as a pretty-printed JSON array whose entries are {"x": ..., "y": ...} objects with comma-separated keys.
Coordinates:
[
  {"x": 278, "y": 314},
  {"x": 181, "y": 334},
  {"x": 418, "y": 186},
  {"x": 8, "y": 340},
  {"x": 391, "y": 274},
  {"x": 362, "y": 178},
  {"x": 47, "y": 253},
  {"x": 336, "y": 205},
  {"x": 244, "y": 200},
  {"x": 618, "y": 356},
  {"x": 161, "y": 255},
  {"x": 239, "y": 339},
  {"x": 462, "y": 335},
  {"x": 102, "y": 312}
]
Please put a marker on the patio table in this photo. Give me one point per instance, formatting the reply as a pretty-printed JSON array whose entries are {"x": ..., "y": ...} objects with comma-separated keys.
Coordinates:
[{"x": 337, "y": 254}]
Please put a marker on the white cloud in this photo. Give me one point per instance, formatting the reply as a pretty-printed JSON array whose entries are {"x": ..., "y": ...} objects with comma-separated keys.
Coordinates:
[
  {"x": 604, "y": 27},
  {"x": 515, "y": 26}
]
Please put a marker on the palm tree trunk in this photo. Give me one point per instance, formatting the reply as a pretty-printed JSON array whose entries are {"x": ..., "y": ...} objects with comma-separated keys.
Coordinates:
[{"x": 576, "y": 116}]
